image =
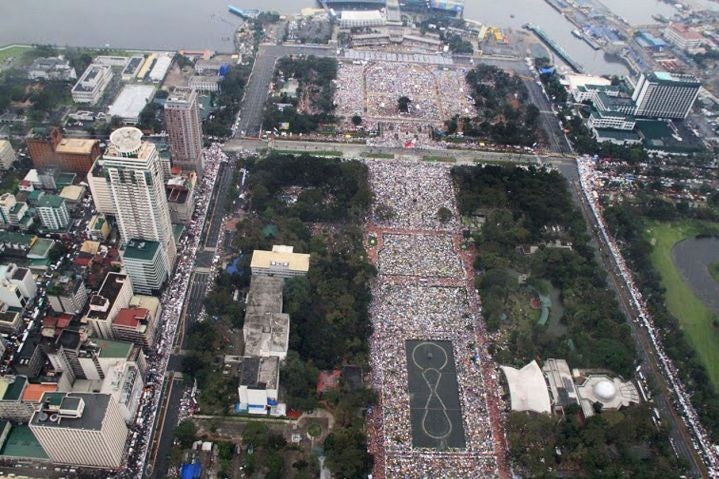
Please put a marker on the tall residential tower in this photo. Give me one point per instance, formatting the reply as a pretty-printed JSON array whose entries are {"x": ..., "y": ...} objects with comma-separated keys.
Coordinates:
[
  {"x": 182, "y": 119},
  {"x": 131, "y": 167}
]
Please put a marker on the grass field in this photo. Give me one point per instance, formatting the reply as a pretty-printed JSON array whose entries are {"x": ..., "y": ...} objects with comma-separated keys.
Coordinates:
[
  {"x": 694, "y": 318},
  {"x": 15, "y": 52},
  {"x": 333, "y": 153},
  {"x": 714, "y": 271},
  {"x": 376, "y": 154}
]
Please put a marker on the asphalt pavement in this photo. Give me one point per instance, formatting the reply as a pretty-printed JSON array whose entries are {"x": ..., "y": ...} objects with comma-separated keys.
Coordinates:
[{"x": 258, "y": 86}]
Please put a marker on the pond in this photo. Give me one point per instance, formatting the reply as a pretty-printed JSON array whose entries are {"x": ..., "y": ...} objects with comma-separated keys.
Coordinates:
[{"x": 692, "y": 258}]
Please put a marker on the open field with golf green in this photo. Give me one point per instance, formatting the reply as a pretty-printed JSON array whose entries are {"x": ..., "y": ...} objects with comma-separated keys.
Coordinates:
[{"x": 696, "y": 319}]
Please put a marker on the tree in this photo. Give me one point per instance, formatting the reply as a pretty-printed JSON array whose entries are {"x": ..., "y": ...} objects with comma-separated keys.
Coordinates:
[
  {"x": 185, "y": 433},
  {"x": 356, "y": 120},
  {"x": 403, "y": 104},
  {"x": 444, "y": 214},
  {"x": 347, "y": 455},
  {"x": 256, "y": 434}
]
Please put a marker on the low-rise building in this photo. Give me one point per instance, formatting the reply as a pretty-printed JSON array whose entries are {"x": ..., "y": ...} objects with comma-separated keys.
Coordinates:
[
  {"x": 10, "y": 320},
  {"x": 361, "y": 18},
  {"x": 180, "y": 192},
  {"x": 259, "y": 383},
  {"x": 282, "y": 262},
  {"x": 204, "y": 83},
  {"x": 98, "y": 228},
  {"x": 136, "y": 325},
  {"x": 132, "y": 68},
  {"x": 53, "y": 212},
  {"x": 130, "y": 102},
  {"x": 14, "y": 213},
  {"x": 7, "y": 155},
  {"x": 91, "y": 85},
  {"x": 67, "y": 293},
  {"x": 114, "y": 294},
  {"x": 73, "y": 195},
  {"x": 12, "y": 407},
  {"x": 143, "y": 262},
  {"x": 266, "y": 328},
  {"x": 51, "y": 68},
  {"x": 683, "y": 37},
  {"x": 17, "y": 286}
]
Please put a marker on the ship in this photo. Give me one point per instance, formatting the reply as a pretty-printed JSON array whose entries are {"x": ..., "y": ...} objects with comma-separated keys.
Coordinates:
[
  {"x": 660, "y": 18},
  {"x": 577, "y": 33}
]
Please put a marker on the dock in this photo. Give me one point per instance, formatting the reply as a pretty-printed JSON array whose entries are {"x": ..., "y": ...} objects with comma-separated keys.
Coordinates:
[{"x": 555, "y": 47}]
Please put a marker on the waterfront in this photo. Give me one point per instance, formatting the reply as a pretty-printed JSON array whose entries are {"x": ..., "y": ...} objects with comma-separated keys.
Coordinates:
[{"x": 173, "y": 24}]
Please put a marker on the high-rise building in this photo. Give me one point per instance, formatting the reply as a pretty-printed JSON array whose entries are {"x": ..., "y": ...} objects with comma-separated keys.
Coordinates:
[
  {"x": 132, "y": 169},
  {"x": 81, "y": 429},
  {"x": 665, "y": 95},
  {"x": 182, "y": 120}
]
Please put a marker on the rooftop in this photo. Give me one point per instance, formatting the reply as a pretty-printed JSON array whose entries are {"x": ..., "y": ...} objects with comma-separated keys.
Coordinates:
[
  {"x": 527, "y": 388},
  {"x": 72, "y": 193},
  {"x": 112, "y": 349},
  {"x": 76, "y": 146},
  {"x": 260, "y": 373},
  {"x": 40, "y": 249},
  {"x": 141, "y": 250},
  {"x": 678, "y": 78},
  {"x": 90, "y": 417},
  {"x": 11, "y": 388},
  {"x": 34, "y": 392},
  {"x": 50, "y": 201},
  {"x": 131, "y": 317},
  {"x": 280, "y": 256},
  {"x": 131, "y": 100},
  {"x": 21, "y": 442}
]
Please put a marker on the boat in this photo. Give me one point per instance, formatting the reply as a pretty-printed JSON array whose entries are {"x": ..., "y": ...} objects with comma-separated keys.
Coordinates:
[
  {"x": 577, "y": 33},
  {"x": 660, "y": 18}
]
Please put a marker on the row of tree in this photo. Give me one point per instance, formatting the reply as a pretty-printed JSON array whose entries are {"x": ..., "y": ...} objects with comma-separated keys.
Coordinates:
[
  {"x": 317, "y": 204},
  {"x": 628, "y": 223},
  {"x": 533, "y": 207}
]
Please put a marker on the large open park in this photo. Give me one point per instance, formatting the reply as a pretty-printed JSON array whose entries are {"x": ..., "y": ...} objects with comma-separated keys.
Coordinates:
[{"x": 684, "y": 287}]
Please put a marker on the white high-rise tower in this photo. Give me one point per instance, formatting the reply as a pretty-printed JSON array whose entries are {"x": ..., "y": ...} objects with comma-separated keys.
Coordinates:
[{"x": 133, "y": 171}]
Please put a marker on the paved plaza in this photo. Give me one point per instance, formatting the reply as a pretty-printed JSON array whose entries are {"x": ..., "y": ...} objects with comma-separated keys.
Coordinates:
[{"x": 438, "y": 413}]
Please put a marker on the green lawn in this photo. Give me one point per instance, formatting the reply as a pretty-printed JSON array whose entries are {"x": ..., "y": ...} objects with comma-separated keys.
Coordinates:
[
  {"x": 376, "y": 154},
  {"x": 12, "y": 51},
  {"x": 694, "y": 317},
  {"x": 714, "y": 271},
  {"x": 332, "y": 153}
]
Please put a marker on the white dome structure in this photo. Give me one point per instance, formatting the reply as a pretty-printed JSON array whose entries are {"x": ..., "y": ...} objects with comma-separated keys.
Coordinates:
[{"x": 605, "y": 390}]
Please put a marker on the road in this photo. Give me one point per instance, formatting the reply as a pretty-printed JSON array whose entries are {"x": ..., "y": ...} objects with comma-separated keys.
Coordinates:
[
  {"x": 650, "y": 363},
  {"x": 258, "y": 86},
  {"x": 222, "y": 185},
  {"x": 167, "y": 421},
  {"x": 358, "y": 150},
  {"x": 197, "y": 289}
]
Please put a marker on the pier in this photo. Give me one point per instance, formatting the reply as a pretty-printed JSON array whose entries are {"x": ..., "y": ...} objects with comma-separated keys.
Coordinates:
[{"x": 555, "y": 48}]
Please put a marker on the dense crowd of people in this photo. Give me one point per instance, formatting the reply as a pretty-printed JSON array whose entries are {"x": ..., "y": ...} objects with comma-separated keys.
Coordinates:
[
  {"x": 172, "y": 301},
  {"x": 419, "y": 255},
  {"x": 408, "y": 195},
  {"x": 425, "y": 310},
  {"x": 702, "y": 443},
  {"x": 373, "y": 90}
]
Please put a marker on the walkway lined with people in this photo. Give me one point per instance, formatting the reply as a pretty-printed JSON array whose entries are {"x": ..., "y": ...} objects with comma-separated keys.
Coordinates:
[
  {"x": 702, "y": 441},
  {"x": 424, "y": 291}
]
